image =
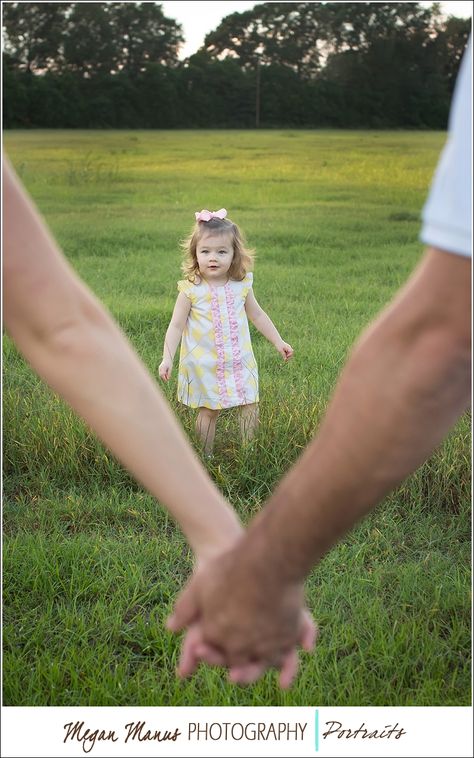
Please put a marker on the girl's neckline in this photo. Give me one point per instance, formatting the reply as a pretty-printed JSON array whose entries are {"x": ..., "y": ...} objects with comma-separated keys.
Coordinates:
[
  {"x": 202, "y": 279},
  {"x": 215, "y": 286}
]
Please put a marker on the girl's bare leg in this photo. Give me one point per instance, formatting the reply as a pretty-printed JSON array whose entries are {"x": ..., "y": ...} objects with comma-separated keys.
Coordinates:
[
  {"x": 248, "y": 421},
  {"x": 206, "y": 428}
]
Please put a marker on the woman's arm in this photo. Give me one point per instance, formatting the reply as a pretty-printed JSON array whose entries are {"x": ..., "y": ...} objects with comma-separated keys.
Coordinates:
[
  {"x": 265, "y": 326},
  {"x": 73, "y": 343}
]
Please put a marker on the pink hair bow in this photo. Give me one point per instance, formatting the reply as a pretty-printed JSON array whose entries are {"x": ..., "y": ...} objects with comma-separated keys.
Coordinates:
[{"x": 207, "y": 215}]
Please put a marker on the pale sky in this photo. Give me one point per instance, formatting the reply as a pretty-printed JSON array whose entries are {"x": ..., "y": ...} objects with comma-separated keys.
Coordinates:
[{"x": 199, "y": 17}]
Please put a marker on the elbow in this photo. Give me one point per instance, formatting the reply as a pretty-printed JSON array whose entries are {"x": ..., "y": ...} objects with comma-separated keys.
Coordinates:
[
  {"x": 256, "y": 319},
  {"x": 446, "y": 353},
  {"x": 444, "y": 342},
  {"x": 421, "y": 359},
  {"x": 438, "y": 370},
  {"x": 74, "y": 335}
]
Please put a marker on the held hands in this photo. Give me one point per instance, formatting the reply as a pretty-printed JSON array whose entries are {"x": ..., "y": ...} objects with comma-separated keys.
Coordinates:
[
  {"x": 164, "y": 369},
  {"x": 238, "y": 620},
  {"x": 285, "y": 350}
]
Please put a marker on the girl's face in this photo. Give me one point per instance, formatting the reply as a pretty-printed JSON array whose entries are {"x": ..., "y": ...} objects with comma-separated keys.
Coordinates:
[{"x": 215, "y": 253}]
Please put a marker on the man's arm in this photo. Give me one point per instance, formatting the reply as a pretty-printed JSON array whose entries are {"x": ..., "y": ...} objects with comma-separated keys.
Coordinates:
[
  {"x": 404, "y": 386},
  {"x": 67, "y": 336}
]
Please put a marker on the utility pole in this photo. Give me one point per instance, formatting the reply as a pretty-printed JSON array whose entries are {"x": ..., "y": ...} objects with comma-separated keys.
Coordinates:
[{"x": 257, "y": 95}]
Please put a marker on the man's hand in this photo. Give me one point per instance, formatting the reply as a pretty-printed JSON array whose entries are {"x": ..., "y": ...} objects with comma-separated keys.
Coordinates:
[{"x": 241, "y": 621}]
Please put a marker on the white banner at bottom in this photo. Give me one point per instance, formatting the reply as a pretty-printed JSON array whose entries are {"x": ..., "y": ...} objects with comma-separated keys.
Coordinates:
[{"x": 241, "y": 732}]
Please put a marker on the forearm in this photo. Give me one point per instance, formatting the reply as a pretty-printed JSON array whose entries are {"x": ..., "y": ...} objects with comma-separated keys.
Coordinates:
[
  {"x": 172, "y": 338},
  {"x": 401, "y": 391},
  {"x": 265, "y": 326}
]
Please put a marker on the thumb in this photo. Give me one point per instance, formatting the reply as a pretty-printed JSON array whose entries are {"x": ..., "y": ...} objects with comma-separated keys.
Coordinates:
[{"x": 185, "y": 610}]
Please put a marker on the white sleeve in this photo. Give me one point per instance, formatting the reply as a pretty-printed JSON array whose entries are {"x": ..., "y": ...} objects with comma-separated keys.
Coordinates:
[{"x": 447, "y": 219}]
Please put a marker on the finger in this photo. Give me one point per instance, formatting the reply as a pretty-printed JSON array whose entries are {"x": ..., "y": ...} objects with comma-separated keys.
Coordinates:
[
  {"x": 210, "y": 654},
  {"x": 289, "y": 669},
  {"x": 185, "y": 610},
  {"x": 246, "y": 673},
  {"x": 309, "y": 632},
  {"x": 189, "y": 659}
]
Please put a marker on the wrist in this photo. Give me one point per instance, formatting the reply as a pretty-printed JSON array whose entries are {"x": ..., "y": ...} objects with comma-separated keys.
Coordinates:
[
  {"x": 207, "y": 549},
  {"x": 263, "y": 558},
  {"x": 221, "y": 535}
]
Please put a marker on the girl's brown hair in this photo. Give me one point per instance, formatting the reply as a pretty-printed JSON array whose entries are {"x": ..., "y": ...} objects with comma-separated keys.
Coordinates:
[{"x": 243, "y": 257}]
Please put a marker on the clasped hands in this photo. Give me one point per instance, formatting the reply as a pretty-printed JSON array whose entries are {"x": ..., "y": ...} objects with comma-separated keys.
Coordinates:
[{"x": 242, "y": 618}]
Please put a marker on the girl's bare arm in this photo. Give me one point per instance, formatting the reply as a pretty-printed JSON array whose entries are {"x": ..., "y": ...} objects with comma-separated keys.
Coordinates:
[
  {"x": 265, "y": 325},
  {"x": 174, "y": 333}
]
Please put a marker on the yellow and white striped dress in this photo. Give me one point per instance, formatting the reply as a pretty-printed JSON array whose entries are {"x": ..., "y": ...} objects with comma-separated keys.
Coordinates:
[{"x": 217, "y": 367}]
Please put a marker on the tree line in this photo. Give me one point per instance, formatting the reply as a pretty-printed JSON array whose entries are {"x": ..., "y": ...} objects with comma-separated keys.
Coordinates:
[{"x": 303, "y": 64}]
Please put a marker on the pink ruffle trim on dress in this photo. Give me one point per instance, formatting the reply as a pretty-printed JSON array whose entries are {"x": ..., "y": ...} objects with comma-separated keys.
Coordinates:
[
  {"x": 235, "y": 343},
  {"x": 220, "y": 370}
]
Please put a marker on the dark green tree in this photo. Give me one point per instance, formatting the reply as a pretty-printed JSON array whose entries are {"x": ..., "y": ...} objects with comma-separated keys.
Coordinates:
[
  {"x": 284, "y": 34},
  {"x": 33, "y": 34},
  {"x": 450, "y": 45},
  {"x": 15, "y": 95},
  {"x": 385, "y": 66},
  {"x": 90, "y": 38},
  {"x": 89, "y": 45},
  {"x": 216, "y": 93},
  {"x": 143, "y": 35},
  {"x": 112, "y": 64},
  {"x": 357, "y": 26}
]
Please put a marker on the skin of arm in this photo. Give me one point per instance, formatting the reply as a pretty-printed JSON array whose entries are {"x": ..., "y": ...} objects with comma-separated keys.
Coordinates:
[
  {"x": 405, "y": 384},
  {"x": 265, "y": 326},
  {"x": 71, "y": 341},
  {"x": 173, "y": 334}
]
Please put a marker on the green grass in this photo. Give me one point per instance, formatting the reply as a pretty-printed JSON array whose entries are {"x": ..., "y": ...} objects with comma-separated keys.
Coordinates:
[{"x": 91, "y": 562}]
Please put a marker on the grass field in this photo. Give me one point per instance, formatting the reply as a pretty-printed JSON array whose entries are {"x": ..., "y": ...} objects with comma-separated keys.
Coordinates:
[{"x": 91, "y": 562}]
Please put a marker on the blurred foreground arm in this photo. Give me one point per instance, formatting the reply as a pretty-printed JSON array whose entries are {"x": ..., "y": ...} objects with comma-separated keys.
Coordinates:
[{"x": 68, "y": 337}]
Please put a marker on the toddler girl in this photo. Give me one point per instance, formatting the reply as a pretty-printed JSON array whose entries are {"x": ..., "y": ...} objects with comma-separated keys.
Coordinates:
[{"x": 217, "y": 367}]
